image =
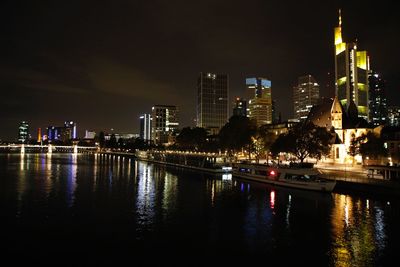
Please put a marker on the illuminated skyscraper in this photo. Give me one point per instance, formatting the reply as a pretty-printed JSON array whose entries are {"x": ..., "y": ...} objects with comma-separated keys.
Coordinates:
[
  {"x": 260, "y": 100},
  {"x": 305, "y": 96},
  {"x": 394, "y": 115},
  {"x": 351, "y": 74},
  {"x": 39, "y": 137},
  {"x": 145, "y": 127},
  {"x": 23, "y": 132},
  {"x": 164, "y": 123},
  {"x": 212, "y": 101},
  {"x": 70, "y": 130},
  {"x": 378, "y": 113}
]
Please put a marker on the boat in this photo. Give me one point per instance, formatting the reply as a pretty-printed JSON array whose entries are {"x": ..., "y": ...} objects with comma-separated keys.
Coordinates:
[{"x": 290, "y": 176}]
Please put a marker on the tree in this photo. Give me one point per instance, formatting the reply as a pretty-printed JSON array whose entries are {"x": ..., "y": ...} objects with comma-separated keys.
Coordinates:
[
  {"x": 192, "y": 138},
  {"x": 112, "y": 143},
  {"x": 237, "y": 134},
  {"x": 372, "y": 146},
  {"x": 304, "y": 140},
  {"x": 268, "y": 138},
  {"x": 354, "y": 146},
  {"x": 100, "y": 139}
]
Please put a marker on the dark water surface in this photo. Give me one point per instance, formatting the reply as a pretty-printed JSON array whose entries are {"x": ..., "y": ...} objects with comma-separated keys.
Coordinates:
[{"x": 91, "y": 210}]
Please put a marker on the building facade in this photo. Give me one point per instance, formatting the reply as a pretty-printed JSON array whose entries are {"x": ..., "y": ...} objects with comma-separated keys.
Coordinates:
[
  {"x": 164, "y": 124},
  {"x": 394, "y": 115},
  {"x": 212, "y": 101},
  {"x": 70, "y": 130},
  {"x": 305, "y": 96},
  {"x": 378, "y": 112},
  {"x": 351, "y": 74},
  {"x": 260, "y": 100},
  {"x": 145, "y": 127},
  {"x": 23, "y": 132}
]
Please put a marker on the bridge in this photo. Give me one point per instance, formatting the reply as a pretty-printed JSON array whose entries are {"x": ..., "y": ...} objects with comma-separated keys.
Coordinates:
[{"x": 25, "y": 148}]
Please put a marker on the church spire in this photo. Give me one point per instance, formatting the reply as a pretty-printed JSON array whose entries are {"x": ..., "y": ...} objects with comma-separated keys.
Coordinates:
[{"x": 340, "y": 17}]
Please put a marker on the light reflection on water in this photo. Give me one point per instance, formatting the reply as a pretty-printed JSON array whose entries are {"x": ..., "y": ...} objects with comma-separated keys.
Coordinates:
[
  {"x": 358, "y": 233},
  {"x": 353, "y": 229}
]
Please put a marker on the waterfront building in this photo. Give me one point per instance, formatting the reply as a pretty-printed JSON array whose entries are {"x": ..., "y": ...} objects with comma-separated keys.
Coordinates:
[
  {"x": 124, "y": 136},
  {"x": 212, "y": 101},
  {"x": 39, "y": 136},
  {"x": 90, "y": 134},
  {"x": 145, "y": 127},
  {"x": 346, "y": 126},
  {"x": 305, "y": 96},
  {"x": 62, "y": 133},
  {"x": 260, "y": 100},
  {"x": 23, "y": 132},
  {"x": 351, "y": 74},
  {"x": 70, "y": 130},
  {"x": 164, "y": 124},
  {"x": 240, "y": 107},
  {"x": 394, "y": 115}
]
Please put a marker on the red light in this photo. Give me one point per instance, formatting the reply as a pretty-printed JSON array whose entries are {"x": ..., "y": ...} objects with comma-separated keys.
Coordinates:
[{"x": 272, "y": 173}]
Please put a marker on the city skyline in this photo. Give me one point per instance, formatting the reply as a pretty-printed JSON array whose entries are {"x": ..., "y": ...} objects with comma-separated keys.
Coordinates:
[{"x": 105, "y": 65}]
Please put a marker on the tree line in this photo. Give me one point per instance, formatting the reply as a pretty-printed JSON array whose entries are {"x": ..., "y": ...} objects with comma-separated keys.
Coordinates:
[{"x": 241, "y": 135}]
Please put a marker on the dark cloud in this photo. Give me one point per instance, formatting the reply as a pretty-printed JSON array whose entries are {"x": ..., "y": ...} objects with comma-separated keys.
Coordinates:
[{"x": 102, "y": 63}]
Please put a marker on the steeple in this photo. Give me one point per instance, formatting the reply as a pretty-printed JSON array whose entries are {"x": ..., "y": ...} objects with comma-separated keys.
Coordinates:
[{"x": 340, "y": 17}]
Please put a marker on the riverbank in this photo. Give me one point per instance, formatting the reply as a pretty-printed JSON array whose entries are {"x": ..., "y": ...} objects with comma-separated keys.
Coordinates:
[{"x": 348, "y": 179}]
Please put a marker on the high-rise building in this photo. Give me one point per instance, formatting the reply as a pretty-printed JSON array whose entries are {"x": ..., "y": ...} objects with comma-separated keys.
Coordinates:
[
  {"x": 240, "y": 107},
  {"x": 305, "y": 96},
  {"x": 39, "y": 136},
  {"x": 378, "y": 113},
  {"x": 212, "y": 101},
  {"x": 164, "y": 124},
  {"x": 90, "y": 134},
  {"x": 70, "y": 130},
  {"x": 145, "y": 127},
  {"x": 351, "y": 74},
  {"x": 260, "y": 101},
  {"x": 23, "y": 132},
  {"x": 394, "y": 115},
  {"x": 276, "y": 115}
]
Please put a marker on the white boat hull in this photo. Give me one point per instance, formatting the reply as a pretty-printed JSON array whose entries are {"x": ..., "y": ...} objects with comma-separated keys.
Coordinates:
[{"x": 321, "y": 185}]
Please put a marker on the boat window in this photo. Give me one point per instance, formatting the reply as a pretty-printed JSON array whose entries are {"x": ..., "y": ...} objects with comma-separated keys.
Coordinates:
[{"x": 301, "y": 177}]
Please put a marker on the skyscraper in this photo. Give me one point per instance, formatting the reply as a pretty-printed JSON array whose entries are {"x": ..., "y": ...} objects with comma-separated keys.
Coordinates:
[
  {"x": 212, "y": 101},
  {"x": 145, "y": 127},
  {"x": 378, "y": 113},
  {"x": 164, "y": 123},
  {"x": 394, "y": 115},
  {"x": 351, "y": 74},
  {"x": 23, "y": 132},
  {"x": 260, "y": 100},
  {"x": 240, "y": 107},
  {"x": 70, "y": 130},
  {"x": 305, "y": 95}
]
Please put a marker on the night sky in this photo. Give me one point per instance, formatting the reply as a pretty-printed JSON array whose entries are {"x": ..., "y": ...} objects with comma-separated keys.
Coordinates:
[{"x": 103, "y": 63}]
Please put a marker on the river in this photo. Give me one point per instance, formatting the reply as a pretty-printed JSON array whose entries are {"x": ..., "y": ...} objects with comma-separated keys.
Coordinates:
[{"x": 91, "y": 209}]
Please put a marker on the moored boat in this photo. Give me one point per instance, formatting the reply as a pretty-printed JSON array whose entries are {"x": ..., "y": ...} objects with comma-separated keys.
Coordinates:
[{"x": 296, "y": 177}]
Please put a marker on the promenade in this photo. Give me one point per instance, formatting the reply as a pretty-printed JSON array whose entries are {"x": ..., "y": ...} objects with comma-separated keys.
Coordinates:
[{"x": 362, "y": 178}]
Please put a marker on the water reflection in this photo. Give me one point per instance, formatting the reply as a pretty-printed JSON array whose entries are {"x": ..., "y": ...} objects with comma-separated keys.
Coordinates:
[
  {"x": 357, "y": 233},
  {"x": 158, "y": 204},
  {"x": 146, "y": 194},
  {"x": 71, "y": 180}
]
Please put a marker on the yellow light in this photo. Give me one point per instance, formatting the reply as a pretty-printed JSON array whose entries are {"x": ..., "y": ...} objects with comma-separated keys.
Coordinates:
[{"x": 362, "y": 59}]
